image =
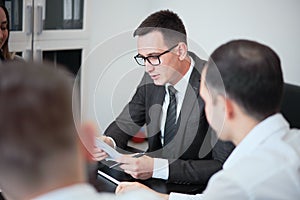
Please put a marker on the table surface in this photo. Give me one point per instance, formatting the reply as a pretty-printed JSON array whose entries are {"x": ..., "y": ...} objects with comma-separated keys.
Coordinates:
[{"x": 159, "y": 185}]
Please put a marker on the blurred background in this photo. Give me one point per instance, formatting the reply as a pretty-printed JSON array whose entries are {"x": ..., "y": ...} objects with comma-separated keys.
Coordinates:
[{"x": 93, "y": 38}]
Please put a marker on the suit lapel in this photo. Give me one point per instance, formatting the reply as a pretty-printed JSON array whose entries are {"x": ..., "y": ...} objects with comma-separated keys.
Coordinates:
[
  {"x": 155, "y": 117},
  {"x": 189, "y": 105},
  {"x": 190, "y": 110}
]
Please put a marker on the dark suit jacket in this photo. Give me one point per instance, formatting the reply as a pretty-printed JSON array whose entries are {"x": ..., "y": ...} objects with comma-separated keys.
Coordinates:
[{"x": 192, "y": 155}]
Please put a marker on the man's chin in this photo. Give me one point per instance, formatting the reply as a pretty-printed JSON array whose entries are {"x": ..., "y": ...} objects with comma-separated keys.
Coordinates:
[{"x": 158, "y": 82}]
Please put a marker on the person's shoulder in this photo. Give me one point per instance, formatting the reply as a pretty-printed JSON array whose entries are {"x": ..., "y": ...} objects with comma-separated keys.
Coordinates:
[
  {"x": 283, "y": 148},
  {"x": 17, "y": 58},
  {"x": 258, "y": 166},
  {"x": 292, "y": 140},
  {"x": 292, "y": 137},
  {"x": 199, "y": 63},
  {"x": 196, "y": 58}
]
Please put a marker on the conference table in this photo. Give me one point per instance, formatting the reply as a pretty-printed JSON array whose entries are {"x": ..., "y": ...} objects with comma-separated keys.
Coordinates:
[{"x": 102, "y": 184}]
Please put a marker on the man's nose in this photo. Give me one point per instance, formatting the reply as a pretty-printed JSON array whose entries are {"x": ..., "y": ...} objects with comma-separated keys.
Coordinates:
[{"x": 148, "y": 67}]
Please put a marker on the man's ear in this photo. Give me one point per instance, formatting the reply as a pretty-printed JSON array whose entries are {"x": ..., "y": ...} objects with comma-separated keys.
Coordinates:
[
  {"x": 182, "y": 50},
  {"x": 229, "y": 108},
  {"x": 87, "y": 139}
]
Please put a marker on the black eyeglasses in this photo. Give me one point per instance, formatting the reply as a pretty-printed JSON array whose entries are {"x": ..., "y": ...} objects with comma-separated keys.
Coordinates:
[{"x": 153, "y": 60}]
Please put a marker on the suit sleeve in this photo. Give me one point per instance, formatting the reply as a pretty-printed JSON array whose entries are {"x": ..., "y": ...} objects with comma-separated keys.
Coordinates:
[
  {"x": 200, "y": 171},
  {"x": 192, "y": 171},
  {"x": 130, "y": 120},
  {"x": 222, "y": 150}
]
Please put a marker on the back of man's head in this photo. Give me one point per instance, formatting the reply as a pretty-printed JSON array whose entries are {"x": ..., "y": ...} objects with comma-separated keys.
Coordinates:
[
  {"x": 36, "y": 124},
  {"x": 166, "y": 22},
  {"x": 251, "y": 74}
]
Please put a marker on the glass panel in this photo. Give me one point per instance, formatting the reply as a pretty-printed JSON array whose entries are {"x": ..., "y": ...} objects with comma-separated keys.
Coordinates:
[
  {"x": 69, "y": 58},
  {"x": 15, "y": 11},
  {"x": 63, "y": 14}
]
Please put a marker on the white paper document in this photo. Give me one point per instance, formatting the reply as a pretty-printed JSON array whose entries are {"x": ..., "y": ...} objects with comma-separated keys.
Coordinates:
[{"x": 111, "y": 152}]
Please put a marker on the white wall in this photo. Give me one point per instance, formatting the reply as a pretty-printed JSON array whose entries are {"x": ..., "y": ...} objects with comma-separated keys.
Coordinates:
[
  {"x": 273, "y": 22},
  {"x": 109, "y": 74},
  {"x": 209, "y": 23}
]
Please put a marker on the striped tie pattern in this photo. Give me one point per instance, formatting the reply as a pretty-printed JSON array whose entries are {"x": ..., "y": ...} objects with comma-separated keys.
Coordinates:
[{"x": 170, "y": 125}]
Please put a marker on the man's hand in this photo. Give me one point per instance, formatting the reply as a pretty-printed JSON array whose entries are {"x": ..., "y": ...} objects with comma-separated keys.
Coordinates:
[
  {"x": 129, "y": 186},
  {"x": 99, "y": 154},
  {"x": 139, "y": 168}
]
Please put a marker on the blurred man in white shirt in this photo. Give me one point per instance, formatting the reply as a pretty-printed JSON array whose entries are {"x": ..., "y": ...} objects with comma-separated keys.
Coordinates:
[{"x": 41, "y": 154}]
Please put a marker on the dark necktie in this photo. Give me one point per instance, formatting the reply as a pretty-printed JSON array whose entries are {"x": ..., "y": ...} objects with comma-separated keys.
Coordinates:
[{"x": 170, "y": 125}]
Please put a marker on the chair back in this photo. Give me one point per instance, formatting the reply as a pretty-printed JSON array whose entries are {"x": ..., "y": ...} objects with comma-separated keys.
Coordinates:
[{"x": 290, "y": 107}]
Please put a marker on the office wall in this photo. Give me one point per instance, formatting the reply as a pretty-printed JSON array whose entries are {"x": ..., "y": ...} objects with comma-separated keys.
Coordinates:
[
  {"x": 272, "y": 22},
  {"x": 109, "y": 73},
  {"x": 209, "y": 23}
]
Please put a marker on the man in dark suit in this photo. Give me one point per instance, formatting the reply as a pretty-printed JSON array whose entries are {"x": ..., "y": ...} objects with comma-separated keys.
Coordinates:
[{"x": 167, "y": 102}]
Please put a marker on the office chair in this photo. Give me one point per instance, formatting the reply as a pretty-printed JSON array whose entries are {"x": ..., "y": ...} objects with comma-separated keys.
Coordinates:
[{"x": 290, "y": 107}]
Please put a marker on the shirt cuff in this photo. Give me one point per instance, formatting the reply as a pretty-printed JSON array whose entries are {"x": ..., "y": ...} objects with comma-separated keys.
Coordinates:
[
  {"x": 161, "y": 169},
  {"x": 112, "y": 140}
]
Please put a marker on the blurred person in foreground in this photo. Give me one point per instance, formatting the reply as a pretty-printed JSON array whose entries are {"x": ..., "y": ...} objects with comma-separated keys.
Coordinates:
[
  {"x": 242, "y": 86},
  {"x": 40, "y": 151}
]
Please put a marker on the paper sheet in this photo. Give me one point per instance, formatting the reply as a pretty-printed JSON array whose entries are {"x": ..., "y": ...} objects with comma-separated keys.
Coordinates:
[{"x": 112, "y": 153}]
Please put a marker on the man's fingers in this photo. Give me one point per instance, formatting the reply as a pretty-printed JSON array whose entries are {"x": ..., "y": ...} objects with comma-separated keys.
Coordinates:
[
  {"x": 127, "y": 186},
  {"x": 99, "y": 154}
]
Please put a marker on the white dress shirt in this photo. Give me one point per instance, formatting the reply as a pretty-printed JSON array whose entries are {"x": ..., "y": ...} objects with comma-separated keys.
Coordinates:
[
  {"x": 85, "y": 191},
  {"x": 161, "y": 166},
  {"x": 265, "y": 165}
]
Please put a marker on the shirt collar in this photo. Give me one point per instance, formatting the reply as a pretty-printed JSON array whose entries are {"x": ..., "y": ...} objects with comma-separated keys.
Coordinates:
[
  {"x": 182, "y": 84},
  {"x": 257, "y": 135}
]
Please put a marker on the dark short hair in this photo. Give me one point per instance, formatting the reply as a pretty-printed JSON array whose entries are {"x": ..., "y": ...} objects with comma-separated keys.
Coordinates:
[
  {"x": 166, "y": 22},
  {"x": 251, "y": 74},
  {"x": 36, "y": 120}
]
